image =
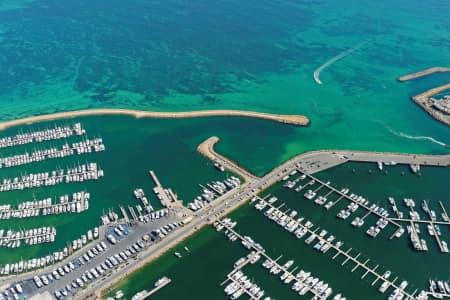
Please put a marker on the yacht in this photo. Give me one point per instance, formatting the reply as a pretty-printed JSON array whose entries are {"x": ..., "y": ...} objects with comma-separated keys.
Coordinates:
[
  {"x": 239, "y": 262},
  {"x": 358, "y": 222},
  {"x": 219, "y": 167},
  {"x": 380, "y": 166},
  {"x": 310, "y": 194},
  {"x": 119, "y": 294},
  {"x": 162, "y": 280},
  {"x": 288, "y": 264},
  {"x": 383, "y": 287},
  {"x": 444, "y": 247},
  {"x": 338, "y": 297},
  {"x": 414, "y": 168},
  {"x": 139, "y": 296}
]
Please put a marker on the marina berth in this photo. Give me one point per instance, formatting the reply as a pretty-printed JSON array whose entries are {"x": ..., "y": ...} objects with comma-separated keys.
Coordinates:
[
  {"x": 140, "y": 195},
  {"x": 356, "y": 201},
  {"x": 212, "y": 191},
  {"x": 383, "y": 215},
  {"x": 59, "y": 132},
  {"x": 24, "y": 266},
  {"x": 66, "y": 150},
  {"x": 14, "y": 239},
  {"x": 78, "y": 203},
  {"x": 323, "y": 244},
  {"x": 238, "y": 284},
  {"x": 84, "y": 172}
]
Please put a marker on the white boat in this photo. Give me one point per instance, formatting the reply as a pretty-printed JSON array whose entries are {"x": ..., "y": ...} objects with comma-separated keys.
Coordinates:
[
  {"x": 380, "y": 166},
  {"x": 414, "y": 168}
]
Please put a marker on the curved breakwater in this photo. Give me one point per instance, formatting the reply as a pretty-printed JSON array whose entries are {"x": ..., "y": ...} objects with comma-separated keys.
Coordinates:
[{"x": 296, "y": 120}]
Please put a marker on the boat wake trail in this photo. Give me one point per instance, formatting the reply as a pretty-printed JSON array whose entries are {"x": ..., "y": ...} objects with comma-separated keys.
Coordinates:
[
  {"x": 333, "y": 60},
  {"x": 412, "y": 137}
]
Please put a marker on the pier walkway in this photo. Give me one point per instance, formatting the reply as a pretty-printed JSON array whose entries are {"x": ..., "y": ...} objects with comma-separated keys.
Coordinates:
[
  {"x": 159, "y": 190},
  {"x": 166, "y": 196},
  {"x": 421, "y": 221},
  {"x": 401, "y": 158}
]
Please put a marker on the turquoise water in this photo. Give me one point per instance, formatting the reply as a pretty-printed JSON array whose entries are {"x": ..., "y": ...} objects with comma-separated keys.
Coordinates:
[
  {"x": 179, "y": 55},
  {"x": 256, "y": 55}
]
